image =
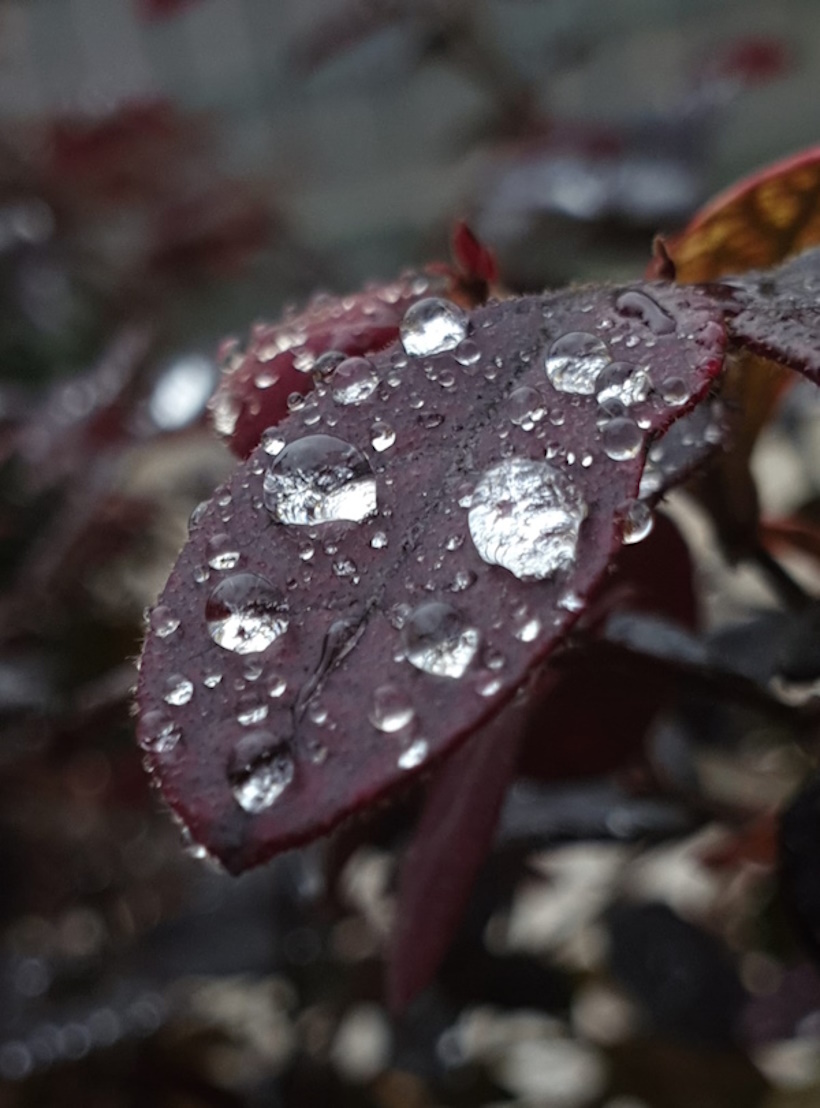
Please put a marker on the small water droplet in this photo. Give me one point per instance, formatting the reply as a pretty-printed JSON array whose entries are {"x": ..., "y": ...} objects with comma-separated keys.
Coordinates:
[
  {"x": 622, "y": 439},
  {"x": 196, "y": 515},
  {"x": 201, "y": 574},
  {"x": 245, "y": 614},
  {"x": 488, "y": 685},
  {"x": 253, "y": 670},
  {"x": 222, "y": 553},
  {"x": 525, "y": 407},
  {"x": 574, "y": 362},
  {"x": 638, "y": 522},
  {"x": 379, "y": 540},
  {"x": 526, "y": 626},
  {"x": 276, "y": 686},
  {"x": 674, "y": 391},
  {"x": 432, "y": 326},
  {"x": 570, "y": 601},
  {"x": 327, "y": 362},
  {"x": 353, "y": 381},
  {"x": 391, "y": 709},
  {"x": 462, "y": 580},
  {"x": 344, "y": 567},
  {"x": 414, "y": 755},
  {"x": 259, "y": 771},
  {"x": 438, "y": 640},
  {"x": 163, "y": 622},
  {"x": 272, "y": 442},
  {"x": 251, "y": 710},
  {"x": 526, "y": 517},
  {"x": 382, "y": 436},
  {"x": 468, "y": 355},
  {"x": 211, "y": 680},
  {"x": 157, "y": 733},
  {"x": 431, "y": 420},
  {"x": 320, "y": 479},
  {"x": 636, "y": 304},
  {"x": 178, "y": 690}
]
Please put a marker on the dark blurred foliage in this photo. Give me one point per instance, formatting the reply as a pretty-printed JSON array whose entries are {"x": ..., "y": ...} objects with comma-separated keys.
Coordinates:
[{"x": 626, "y": 944}]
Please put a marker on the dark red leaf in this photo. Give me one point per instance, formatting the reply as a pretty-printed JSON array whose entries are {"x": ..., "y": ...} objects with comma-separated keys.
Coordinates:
[
  {"x": 778, "y": 313},
  {"x": 268, "y": 739}
]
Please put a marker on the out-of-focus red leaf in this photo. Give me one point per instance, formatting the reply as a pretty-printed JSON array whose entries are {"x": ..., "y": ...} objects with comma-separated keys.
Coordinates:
[
  {"x": 450, "y": 843},
  {"x": 791, "y": 534},
  {"x": 339, "y": 607}
]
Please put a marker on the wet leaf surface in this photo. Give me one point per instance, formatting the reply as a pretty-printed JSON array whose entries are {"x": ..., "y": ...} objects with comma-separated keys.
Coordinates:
[{"x": 391, "y": 564}]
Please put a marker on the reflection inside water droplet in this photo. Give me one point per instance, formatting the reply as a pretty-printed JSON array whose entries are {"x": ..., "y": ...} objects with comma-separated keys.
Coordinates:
[
  {"x": 259, "y": 771},
  {"x": 245, "y": 613},
  {"x": 575, "y": 361},
  {"x": 353, "y": 381},
  {"x": 432, "y": 326},
  {"x": 438, "y": 640},
  {"x": 319, "y": 479},
  {"x": 526, "y": 516}
]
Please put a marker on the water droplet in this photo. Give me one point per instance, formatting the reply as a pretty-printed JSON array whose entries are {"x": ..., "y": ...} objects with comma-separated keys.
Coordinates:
[
  {"x": 157, "y": 733},
  {"x": 178, "y": 690},
  {"x": 574, "y": 362},
  {"x": 462, "y": 580},
  {"x": 391, "y": 709},
  {"x": 353, "y": 381},
  {"x": 570, "y": 601},
  {"x": 468, "y": 354},
  {"x": 163, "y": 621},
  {"x": 259, "y": 771},
  {"x": 211, "y": 680},
  {"x": 272, "y": 442},
  {"x": 382, "y": 436},
  {"x": 251, "y": 710},
  {"x": 622, "y": 383},
  {"x": 414, "y": 755},
  {"x": 525, "y": 516},
  {"x": 431, "y": 420},
  {"x": 245, "y": 614},
  {"x": 622, "y": 439},
  {"x": 674, "y": 391},
  {"x": 320, "y": 479},
  {"x": 195, "y": 518},
  {"x": 640, "y": 305},
  {"x": 488, "y": 685},
  {"x": 432, "y": 326},
  {"x": 344, "y": 567},
  {"x": 438, "y": 640},
  {"x": 276, "y": 686},
  {"x": 526, "y": 627},
  {"x": 638, "y": 522},
  {"x": 222, "y": 552},
  {"x": 525, "y": 407},
  {"x": 379, "y": 541}
]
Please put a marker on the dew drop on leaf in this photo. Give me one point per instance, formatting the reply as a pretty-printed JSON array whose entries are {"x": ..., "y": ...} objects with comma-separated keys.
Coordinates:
[
  {"x": 414, "y": 755},
  {"x": 245, "y": 614},
  {"x": 391, "y": 709},
  {"x": 157, "y": 733},
  {"x": 222, "y": 553},
  {"x": 163, "y": 622},
  {"x": 319, "y": 479},
  {"x": 438, "y": 640},
  {"x": 353, "y": 381},
  {"x": 623, "y": 383},
  {"x": 525, "y": 407},
  {"x": 622, "y": 439},
  {"x": 433, "y": 326},
  {"x": 674, "y": 391},
  {"x": 178, "y": 690},
  {"x": 259, "y": 771},
  {"x": 382, "y": 436},
  {"x": 634, "y": 303},
  {"x": 638, "y": 522},
  {"x": 574, "y": 362},
  {"x": 525, "y": 516}
]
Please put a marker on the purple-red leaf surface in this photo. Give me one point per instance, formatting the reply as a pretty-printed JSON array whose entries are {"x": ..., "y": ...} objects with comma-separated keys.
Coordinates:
[{"x": 403, "y": 551}]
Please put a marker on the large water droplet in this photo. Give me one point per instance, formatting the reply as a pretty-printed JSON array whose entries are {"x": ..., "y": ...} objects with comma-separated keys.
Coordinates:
[
  {"x": 320, "y": 479},
  {"x": 525, "y": 516},
  {"x": 622, "y": 439},
  {"x": 353, "y": 381},
  {"x": 574, "y": 362},
  {"x": 640, "y": 305},
  {"x": 391, "y": 709},
  {"x": 432, "y": 326},
  {"x": 437, "y": 639},
  {"x": 245, "y": 613},
  {"x": 259, "y": 771}
]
